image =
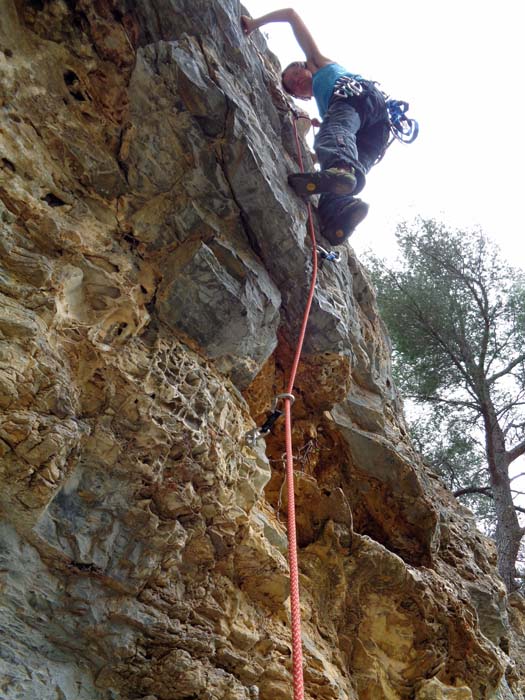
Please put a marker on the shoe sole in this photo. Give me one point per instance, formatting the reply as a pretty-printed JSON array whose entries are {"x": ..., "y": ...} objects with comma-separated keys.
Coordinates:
[
  {"x": 322, "y": 182},
  {"x": 339, "y": 234}
]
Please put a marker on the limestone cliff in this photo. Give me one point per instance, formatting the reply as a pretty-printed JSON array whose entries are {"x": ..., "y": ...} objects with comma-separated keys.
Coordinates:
[{"x": 154, "y": 271}]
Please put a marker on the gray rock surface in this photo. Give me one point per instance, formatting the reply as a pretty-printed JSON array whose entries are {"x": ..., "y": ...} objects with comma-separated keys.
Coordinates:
[{"x": 153, "y": 266}]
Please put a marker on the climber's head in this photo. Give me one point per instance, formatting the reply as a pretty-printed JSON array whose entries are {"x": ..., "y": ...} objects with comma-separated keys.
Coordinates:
[{"x": 296, "y": 80}]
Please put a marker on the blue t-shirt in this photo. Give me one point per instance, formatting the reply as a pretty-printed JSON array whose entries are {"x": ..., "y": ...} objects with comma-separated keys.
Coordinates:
[{"x": 323, "y": 84}]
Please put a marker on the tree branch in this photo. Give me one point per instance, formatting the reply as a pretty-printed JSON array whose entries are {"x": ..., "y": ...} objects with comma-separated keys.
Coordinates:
[
  {"x": 482, "y": 301},
  {"x": 508, "y": 407},
  {"x": 449, "y": 402},
  {"x": 433, "y": 332},
  {"x": 516, "y": 452},
  {"x": 499, "y": 349},
  {"x": 507, "y": 369},
  {"x": 482, "y": 490}
]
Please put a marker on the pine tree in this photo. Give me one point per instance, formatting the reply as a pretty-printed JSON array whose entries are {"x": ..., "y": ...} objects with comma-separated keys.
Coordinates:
[{"x": 456, "y": 315}]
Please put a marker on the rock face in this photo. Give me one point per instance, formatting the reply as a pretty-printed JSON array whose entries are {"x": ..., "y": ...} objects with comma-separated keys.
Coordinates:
[{"x": 154, "y": 268}]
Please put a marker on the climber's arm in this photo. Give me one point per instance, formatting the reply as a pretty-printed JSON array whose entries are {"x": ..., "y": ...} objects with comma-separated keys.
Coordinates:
[{"x": 302, "y": 34}]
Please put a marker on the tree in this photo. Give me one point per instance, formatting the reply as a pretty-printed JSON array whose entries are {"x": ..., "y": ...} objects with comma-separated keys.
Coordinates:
[{"x": 456, "y": 315}]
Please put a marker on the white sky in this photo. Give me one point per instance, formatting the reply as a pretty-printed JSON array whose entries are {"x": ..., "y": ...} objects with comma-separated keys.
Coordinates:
[{"x": 461, "y": 66}]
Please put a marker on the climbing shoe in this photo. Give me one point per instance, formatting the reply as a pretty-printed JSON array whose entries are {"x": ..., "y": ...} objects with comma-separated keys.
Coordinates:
[
  {"x": 338, "y": 227},
  {"x": 334, "y": 180}
]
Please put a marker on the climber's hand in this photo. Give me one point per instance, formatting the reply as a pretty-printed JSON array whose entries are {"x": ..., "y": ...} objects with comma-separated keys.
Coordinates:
[{"x": 247, "y": 24}]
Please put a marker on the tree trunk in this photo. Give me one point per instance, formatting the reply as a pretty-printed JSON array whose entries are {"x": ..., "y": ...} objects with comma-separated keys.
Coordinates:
[{"x": 508, "y": 529}]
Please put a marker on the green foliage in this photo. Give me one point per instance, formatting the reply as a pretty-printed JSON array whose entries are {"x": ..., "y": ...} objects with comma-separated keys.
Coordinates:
[
  {"x": 455, "y": 311},
  {"x": 450, "y": 444}
]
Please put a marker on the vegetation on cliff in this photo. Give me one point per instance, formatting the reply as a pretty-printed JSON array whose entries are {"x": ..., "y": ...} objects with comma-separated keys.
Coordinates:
[{"x": 456, "y": 313}]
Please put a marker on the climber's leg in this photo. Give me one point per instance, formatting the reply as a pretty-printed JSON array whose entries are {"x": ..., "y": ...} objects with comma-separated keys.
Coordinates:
[
  {"x": 336, "y": 141},
  {"x": 364, "y": 121},
  {"x": 336, "y": 149}
]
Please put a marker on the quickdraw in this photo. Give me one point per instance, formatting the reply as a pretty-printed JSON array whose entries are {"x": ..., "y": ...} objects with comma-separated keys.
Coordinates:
[
  {"x": 330, "y": 255},
  {"x": 253, "y": 435}
]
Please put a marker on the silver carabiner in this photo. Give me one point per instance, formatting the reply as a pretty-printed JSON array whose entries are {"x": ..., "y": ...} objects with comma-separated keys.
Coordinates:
[
  {"x": 252, "y": 436},
  {"x": 346, "y": 86},
  {"x": 276, "y": 400},
  {"x": 355, "y": 87}
]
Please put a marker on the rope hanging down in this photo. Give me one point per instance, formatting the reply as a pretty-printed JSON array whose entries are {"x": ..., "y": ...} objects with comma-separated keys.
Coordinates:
[
  {"x": 297, "y": 651},
  {"x": 288, "y": 399}
]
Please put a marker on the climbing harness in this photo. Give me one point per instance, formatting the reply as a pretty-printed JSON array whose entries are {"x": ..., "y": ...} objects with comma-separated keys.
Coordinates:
[{"x": 402, "y": 127}]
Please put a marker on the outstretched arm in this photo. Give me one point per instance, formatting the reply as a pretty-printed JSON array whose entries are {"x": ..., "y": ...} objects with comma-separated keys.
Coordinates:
[{"x": 305, "y": 40}]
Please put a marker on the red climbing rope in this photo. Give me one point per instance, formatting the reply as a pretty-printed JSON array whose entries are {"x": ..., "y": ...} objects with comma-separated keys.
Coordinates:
[{"x": 297, "y": 651}]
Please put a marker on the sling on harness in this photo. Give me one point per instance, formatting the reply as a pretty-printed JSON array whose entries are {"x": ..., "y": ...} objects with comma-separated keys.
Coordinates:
[{"x": 404, "y": 129}]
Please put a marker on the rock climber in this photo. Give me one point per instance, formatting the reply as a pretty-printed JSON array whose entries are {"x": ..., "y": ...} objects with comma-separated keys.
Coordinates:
[{"x": 353, "y": 135}]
